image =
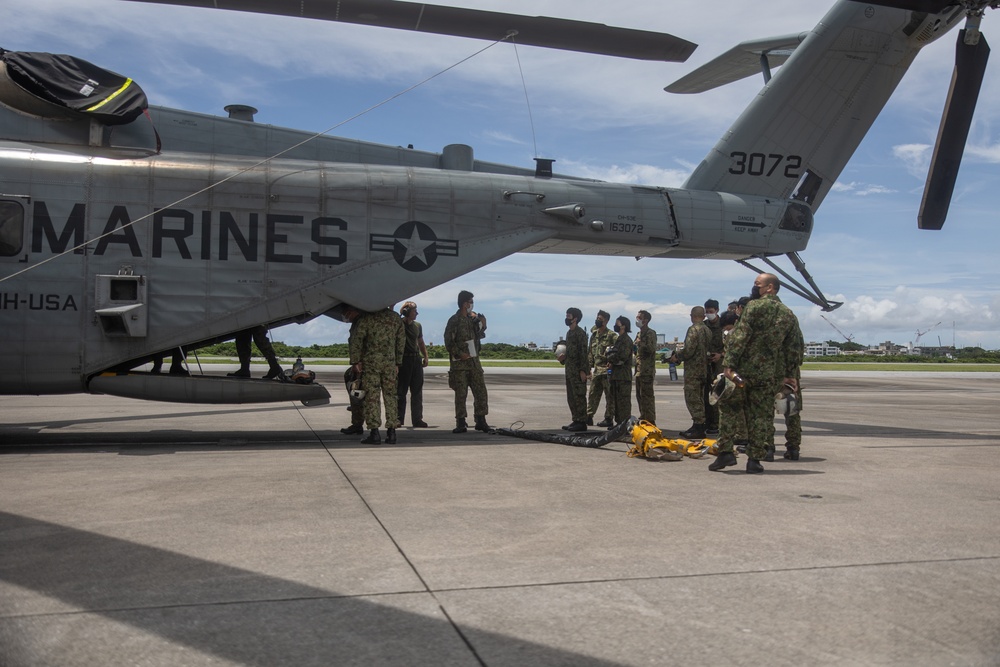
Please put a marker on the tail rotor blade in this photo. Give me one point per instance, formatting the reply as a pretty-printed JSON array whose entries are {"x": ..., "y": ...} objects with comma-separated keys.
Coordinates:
[{"x": 970, "y": 67}]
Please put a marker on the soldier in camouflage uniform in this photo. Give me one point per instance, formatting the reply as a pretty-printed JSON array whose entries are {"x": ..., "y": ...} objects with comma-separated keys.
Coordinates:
[
  {"x": 694, "y": 356},
  {"x": 715, "y": 364},
  {"x": 645, "y": 367},
  {"x": 732, "y": 409},
  {"x": 357, "y": 407},
  {"x": 601, "y": 338},
  {"x": 620, "y": 378},
  {"x": 466, "y": 328},
  {"x": 376, "y": 350},
  {"x": 793, "y": 424},
  {"x": 576, "y": 371},
  {"x": 762, "y": 351}
]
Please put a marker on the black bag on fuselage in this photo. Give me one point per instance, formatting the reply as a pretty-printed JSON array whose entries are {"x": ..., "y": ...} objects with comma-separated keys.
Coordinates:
[{"x": 77, "y": 85}]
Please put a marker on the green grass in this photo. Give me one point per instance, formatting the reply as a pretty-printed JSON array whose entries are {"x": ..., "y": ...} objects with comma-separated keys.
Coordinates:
[
  {"x": 953, "y": 367},
  {"x": 916, "y": 366}
]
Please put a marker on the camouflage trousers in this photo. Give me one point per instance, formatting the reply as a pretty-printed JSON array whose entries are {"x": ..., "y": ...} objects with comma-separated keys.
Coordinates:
[
  {"x": 576, "y": 397},
  {"x": 600, "y": 386},
  {"x": 380, "y": 383},
  {"x": 732, "y": 420},
  {"x": 357, "y": 407},
  {"x": 621, "y": 400},
  {"x": 694, "y": 398},
  {"x": 760, "y": 417},
  {"x": 644, "y": 396},
  {"x": 793, "y": 427},
  {"x": 463, "y": 378}
]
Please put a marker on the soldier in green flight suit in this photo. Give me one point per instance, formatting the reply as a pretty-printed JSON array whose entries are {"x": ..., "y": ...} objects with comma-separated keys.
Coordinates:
[
  {"x": 601, "y": 338},
  {"x": 715, "y": 353},
  {"x": 620, "y": 377},
  {"x": 461, "y": 337},
  {"x": 694, "y": 356},
  {"x": 576, "y": 371},
  {"x": 376, "y": 350},
  {"x": 761, "y": 351},
  {"x": 645, "y": 367}
]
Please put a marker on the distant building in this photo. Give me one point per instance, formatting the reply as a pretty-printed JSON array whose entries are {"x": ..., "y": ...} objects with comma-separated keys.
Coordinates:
[
  {"x": 821, "y": 350},
  {"x": 888, "y": 348}
]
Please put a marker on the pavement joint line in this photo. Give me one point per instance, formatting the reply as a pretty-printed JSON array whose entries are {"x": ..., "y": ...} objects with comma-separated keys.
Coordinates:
[
  {"x": 460, "y": 589},
  {"x": 399, "y": 548},
  {"x": 817, "y": 568}
]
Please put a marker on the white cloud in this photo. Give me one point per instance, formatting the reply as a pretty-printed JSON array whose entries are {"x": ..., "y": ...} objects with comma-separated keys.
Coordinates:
[
  {"x": 915, "y": 157},
  {"x": 861, "y": 189},
  {"x": 989, "y": 153},
  {"x": 644, "y": 174}
]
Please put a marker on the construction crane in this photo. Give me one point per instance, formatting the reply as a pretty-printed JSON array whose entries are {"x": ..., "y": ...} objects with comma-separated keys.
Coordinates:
[
  {"x": 850, "y": 339},
  {"x": 916, "y": 341}
]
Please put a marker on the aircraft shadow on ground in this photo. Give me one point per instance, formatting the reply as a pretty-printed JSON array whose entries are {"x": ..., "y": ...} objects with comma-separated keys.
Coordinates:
[{"x": 236, "y": 614}]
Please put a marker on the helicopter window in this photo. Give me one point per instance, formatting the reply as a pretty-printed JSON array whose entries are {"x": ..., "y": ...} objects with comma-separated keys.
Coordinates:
[
  {"x": 124, "y": 290},
  {"x": 11, "y": 228},
  {"x": 797, "y": 218},
  {"x": 808, "y": 187}
]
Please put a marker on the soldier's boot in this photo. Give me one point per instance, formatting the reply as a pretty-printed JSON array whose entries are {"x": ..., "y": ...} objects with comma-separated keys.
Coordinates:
[
  {"x": 696, "y": 432},
  {"x": 754, "y": 466},
  {"x": 712, "y": 430},
  {"x": 590, "y": 420},
  {"x": 373, "y": 438},
  {"x": 791, "y": 452},
  {"x": 353, "y": 429},
  {"x": 576, "y": 426},
  {"x": 481, "y": 424},
  {"x": 461, "y": 426},
  {"x": 607, "y": 423},
  {"x": 769, "y": 454},
  {"x": 390, "y": 436},
  {"x": 274, "y": 370},
  {"x": 723, "y": 460},
  {"x": 741, "y": 446}
]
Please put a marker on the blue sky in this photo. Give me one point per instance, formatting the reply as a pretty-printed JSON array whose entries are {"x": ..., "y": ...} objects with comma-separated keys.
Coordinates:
[{"x": 598, "y": 117}]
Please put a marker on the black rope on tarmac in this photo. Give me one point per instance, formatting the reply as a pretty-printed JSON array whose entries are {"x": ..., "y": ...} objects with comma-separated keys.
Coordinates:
[{"x": 620, "y": 433}]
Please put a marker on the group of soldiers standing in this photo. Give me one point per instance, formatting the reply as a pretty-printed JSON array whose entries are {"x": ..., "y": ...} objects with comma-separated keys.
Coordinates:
[
  {"x": 387, "y": 358},
  {"x": 754, "y": 348},
  {"x": 606, "y": 361}
]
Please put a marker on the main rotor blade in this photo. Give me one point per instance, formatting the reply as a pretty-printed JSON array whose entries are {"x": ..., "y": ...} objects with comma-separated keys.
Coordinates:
[
  {"x": 542, "y": 31},
  {"x": 966, "y": 80},
  {"x": 929, "y": 6}
]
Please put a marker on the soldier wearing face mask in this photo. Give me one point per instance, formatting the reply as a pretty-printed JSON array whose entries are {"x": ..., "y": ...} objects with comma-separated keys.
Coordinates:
[
  {"x": 715, "y": 353},
  {"x": 620, "y": 371},
  {"x": 601, "y": 338},
  {"x": 575, "y": 360},
  {"x": 645, "y": 367},
  {"x": 694, "y": 356},
  {"x": 763, "y": 350}
]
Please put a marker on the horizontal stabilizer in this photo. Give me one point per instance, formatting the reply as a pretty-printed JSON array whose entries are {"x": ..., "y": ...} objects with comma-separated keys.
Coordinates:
[
  {"x": 737, "y": 63},
  {"x": 544, "y": 31}
]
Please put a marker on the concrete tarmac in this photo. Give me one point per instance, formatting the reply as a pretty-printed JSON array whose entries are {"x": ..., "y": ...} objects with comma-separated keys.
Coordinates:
[{"x": 138, "y": 533}]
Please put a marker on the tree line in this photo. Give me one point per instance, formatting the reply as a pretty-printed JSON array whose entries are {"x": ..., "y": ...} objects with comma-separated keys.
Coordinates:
[
  {"x": 340, "y": 351},
  {"x": 967, "y": 355}
]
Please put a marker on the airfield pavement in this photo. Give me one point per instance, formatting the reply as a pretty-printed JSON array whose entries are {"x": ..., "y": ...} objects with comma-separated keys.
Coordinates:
[{"x": 138, "y": 533}]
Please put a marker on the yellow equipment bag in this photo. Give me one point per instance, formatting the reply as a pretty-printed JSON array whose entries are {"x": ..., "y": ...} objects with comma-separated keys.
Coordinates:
[{"x": 648, "y": 442}]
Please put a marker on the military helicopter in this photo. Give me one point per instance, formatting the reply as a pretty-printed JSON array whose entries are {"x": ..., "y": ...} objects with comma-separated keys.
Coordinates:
[{"x": 120, "y": 242}]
